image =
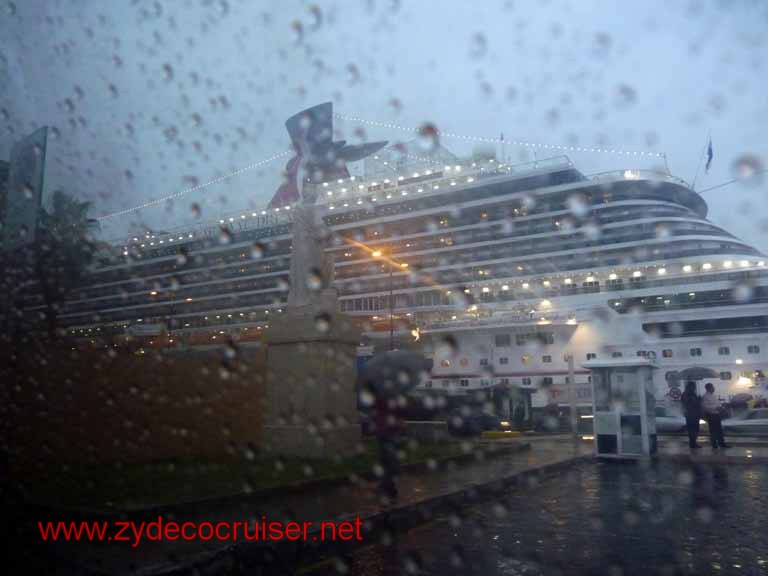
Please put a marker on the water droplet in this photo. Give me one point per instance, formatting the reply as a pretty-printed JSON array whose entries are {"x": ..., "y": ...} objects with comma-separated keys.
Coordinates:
[
  {"x": 743, "y": 293},
  {"x": 323, "y": 322},
  {"x": 257, "y": 251},
  {"x": 10, "y": 9},
  {"x": 298, "y": 31},
  {"x": 591, "y": 230},
  {"x": 663, "y": 232},
  {"x": 626, "y": 95},
  {"x": 353, "y": 73},
  {"x": 428, "y": 138},
  {"x": 478, "y": 45},
  {"x": 225, "y": 236},
  {"x": 396, "y": 105},
  {"x": 314, "y": 280},
  {"x": 195, "y": 209},
  {"x": 317, "y": 16},
  {"x": 578, "y": 205},
  {"x": 748, "y": 168},
  {"x": 182, "y": 257},
  {"x": 167, "y": 72},
  {"x": 367, "y": 399}
]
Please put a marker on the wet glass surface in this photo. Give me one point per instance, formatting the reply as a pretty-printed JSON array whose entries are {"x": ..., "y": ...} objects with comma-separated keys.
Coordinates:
[{"x": 597, "y": 518}]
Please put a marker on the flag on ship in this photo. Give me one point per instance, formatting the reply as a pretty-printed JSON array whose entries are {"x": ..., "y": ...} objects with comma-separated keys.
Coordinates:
[{"x": 709, "y": 156}]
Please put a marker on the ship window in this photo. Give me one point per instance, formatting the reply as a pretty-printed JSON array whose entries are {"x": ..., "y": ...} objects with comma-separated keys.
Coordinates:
[
  {"x": 725, "y": 375},
  {"x": 723, "y": 351},
  {"x": 616, "y": 354},
  {"x": 428, "y": 384},
  {"x": 642, "y": 353},
  {"x": 526, "y": 381},
  {"x": 666, "y": 353},
  {"x": 502, "y": 340},
  {"x": 483, "y": 361},
  {"x": 695, "y": 352},
  {"x": 546, "y": 359},
  {"x": 503, "y": 360},
  {"x": 464, "y": 382},
  {"x": 753, "y": 349},
  {"x": 591, "y": 355},
  {"x": 504, "y": 381},
  {"x": 546, "y": 381}
]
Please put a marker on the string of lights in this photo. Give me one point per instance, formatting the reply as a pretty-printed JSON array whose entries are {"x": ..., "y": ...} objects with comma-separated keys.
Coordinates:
[
  {"x": 522, "y": 143},
  {"x": 185, "y": 191}
]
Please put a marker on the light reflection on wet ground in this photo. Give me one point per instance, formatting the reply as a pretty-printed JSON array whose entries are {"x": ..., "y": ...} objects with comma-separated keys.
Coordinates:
[{"x": 597, "y": 518}]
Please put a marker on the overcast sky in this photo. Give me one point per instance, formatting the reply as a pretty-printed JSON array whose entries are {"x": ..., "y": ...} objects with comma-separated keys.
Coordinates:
[{"x": 148, "y": 98}]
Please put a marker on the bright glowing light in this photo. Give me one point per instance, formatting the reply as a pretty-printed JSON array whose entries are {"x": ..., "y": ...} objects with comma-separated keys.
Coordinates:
[
  {"x": 744, "y": 381},
  {"x": 568, "y": 281},
  {"x": 403, "y": 265},
  {"x": 739, "y": 361},
  {"x": 486, "y": 289},
  {"x": 706, "y": 266},
  {"x": 590, "y": 279},
  {"x": 505, "y": 287},
  {"x": 687, "y": 268},
  {"x": 612, "y": 277},
  {"x": 727, "y": 264},
  {"x": 744, "y": 263},
  {"x": 637, "y": 274},
  {"x": 526, "y": 285},
  {"x": 376, "y": 253},
  {"x": 661, "y": 271},
  {"x": 546, "y": 304}
]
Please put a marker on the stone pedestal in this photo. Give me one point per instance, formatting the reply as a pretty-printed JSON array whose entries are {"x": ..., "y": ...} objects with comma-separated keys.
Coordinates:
[{"x": 311, "y": 409}]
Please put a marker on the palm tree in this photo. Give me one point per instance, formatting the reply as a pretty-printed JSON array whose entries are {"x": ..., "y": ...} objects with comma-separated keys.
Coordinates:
[{"x": 64, "y": 248}]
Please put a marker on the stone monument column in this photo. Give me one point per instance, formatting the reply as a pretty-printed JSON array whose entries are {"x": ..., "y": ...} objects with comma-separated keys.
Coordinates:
[{"x": 311, "y": 404}]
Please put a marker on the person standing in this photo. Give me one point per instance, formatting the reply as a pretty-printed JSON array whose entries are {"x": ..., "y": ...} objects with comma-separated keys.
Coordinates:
[
  {"x": 692, "y": 410},
  {"x": 711, "y": 407},
  {"x": 389, "y": 428}
]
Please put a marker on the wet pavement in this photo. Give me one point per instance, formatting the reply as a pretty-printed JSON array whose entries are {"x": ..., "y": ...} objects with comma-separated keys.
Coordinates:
[
  {"x": 319, "y": 504},
  {"x": 666, "y": 516}
]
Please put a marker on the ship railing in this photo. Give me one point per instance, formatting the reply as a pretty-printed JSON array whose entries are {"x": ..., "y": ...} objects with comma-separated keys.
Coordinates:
[
  {"x": 241, "y": 221},
  {"x": 617, "y": 175},
  {"x": 351, "y": 188}
]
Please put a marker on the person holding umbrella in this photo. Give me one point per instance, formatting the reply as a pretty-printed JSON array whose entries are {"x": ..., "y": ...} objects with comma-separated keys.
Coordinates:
[
  {"x": 692, "y": 411},
  {"x": 388, "y": 377}
]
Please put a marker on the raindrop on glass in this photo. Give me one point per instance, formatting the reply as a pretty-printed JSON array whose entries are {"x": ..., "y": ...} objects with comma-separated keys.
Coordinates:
[
  {"x": 749, "y": 169},
  {"x": 323, "y": 323},
  {"x": 257, "y": 251},
  {"x": 225, "y": 236}
]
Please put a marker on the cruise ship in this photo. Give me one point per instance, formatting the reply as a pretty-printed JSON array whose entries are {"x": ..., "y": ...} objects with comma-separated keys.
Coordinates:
[{"x": 500, "y": 271}]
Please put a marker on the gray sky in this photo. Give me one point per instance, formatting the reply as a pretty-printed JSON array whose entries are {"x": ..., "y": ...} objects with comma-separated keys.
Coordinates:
[{"x": 148, "y": 98}]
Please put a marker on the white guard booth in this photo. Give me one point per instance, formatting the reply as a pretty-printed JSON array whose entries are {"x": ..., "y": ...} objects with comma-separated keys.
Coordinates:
[{"x": 623, "y": 407}]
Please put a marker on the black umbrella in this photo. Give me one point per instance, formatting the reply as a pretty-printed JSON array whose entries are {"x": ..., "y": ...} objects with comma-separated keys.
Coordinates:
[
  {"x": 698, "y": 373},
  {"x": 695, "y": 373},
  {"x": 394, "y": 372}
]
